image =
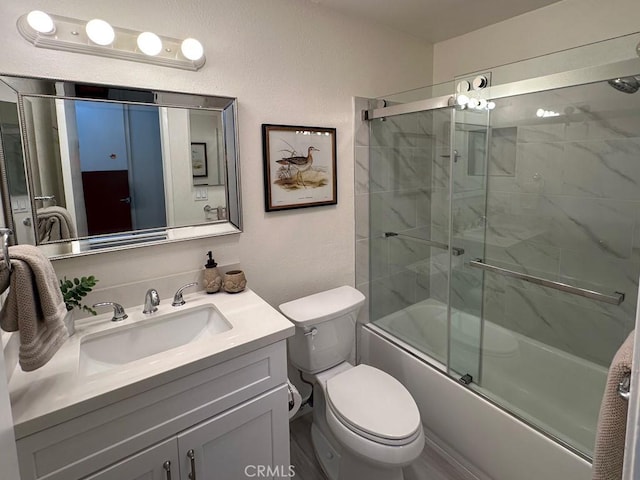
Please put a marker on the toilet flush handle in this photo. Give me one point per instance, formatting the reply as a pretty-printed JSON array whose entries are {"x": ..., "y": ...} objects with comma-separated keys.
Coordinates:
[{"x": 311, "y": 333}]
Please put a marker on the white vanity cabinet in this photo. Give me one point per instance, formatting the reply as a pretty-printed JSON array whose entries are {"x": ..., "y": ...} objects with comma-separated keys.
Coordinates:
[
  {"x": 228, "y": 447},
  {"x": 218, "y": 421}
]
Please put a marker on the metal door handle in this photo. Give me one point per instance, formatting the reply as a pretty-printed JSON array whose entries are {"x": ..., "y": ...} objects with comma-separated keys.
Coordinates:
[
  {"x": 192, "y": 457},
  {"x": 126, "y": 199},
  {"x": 167, "y": 466}
]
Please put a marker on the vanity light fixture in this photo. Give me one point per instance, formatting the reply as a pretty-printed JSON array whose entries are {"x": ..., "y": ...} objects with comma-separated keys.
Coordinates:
[{"x": 98, "y": 37}]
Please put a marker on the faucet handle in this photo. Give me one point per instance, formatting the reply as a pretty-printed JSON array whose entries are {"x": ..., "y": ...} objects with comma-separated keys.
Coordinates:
[
  {"x": 118, "y": 310},
  {"x": 177, "y": 298},
  {"x": 151, "y": 301}
]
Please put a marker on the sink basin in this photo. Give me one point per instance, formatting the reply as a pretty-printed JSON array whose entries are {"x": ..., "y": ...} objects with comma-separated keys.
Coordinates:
[{"x": 127, "y": 343}]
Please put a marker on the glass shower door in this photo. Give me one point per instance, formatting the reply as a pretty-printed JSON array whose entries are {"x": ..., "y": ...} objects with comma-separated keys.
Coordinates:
[
  {"x": 562, "y": 203},
  {"x": 409, "y": 228}
]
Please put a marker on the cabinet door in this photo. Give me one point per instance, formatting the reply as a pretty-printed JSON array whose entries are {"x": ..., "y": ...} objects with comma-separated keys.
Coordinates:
[
  {"x": 251, "y": 440},
  {"x": 159, "y": 462}
]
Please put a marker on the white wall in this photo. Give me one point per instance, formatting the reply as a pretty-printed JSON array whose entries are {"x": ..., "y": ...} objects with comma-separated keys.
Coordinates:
[
  {"x": 562, "y": 25},
  {"x": 288, "y": 62}
]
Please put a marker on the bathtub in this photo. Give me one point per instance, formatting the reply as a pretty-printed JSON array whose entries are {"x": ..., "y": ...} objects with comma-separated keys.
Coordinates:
[{"x": 530, "y": 383}]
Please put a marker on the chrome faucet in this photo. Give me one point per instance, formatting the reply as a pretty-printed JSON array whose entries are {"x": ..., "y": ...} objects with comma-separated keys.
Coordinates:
[
  {"x": 177, "y": 298},
  {"x": 118, "y": 311},
  {"x": 151, "y": 301}
]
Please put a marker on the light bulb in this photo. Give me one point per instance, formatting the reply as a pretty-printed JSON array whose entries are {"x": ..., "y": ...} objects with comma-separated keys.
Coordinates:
[
  {"x": 540, "y": 113},
  {"x": 473, "y": 103},
  {"x": 462, "y": 100},
  {"x": 149, "y": 43},
  {"x": 41, "y": 22},
  {"x": 100, "y": 32},
  {"x": 192, "y": 49},
  {"x": 491, "y": 105},
  {"x": 482, "y": 104}
]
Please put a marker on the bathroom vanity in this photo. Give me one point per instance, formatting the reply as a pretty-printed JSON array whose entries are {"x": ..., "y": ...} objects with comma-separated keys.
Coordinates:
[{"x": 214, "y": 406}]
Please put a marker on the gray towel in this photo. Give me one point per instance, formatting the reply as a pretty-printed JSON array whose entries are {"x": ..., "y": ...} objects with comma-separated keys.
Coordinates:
[
  {"x": 55, "y": 223},
  {"x": 608, "y": 455},
  {"x": 34, "y": 305}
]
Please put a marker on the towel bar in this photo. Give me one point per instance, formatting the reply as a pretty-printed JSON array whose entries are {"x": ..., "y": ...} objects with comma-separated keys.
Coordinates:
[
  {"x": 46, "y": 198},
  {"x": 624, "y": 386},
  {"x": 616, "y": 299},
  {"x": 455, "y": 251}
]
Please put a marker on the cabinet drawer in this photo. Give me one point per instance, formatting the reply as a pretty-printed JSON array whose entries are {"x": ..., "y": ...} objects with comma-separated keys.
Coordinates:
[{"x": 87, "y": 443}]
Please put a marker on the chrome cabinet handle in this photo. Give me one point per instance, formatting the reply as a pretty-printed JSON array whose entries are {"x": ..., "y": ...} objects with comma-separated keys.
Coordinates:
[
  {"x": 167, "y": 467},
  {"x": 192, "y": 457}
]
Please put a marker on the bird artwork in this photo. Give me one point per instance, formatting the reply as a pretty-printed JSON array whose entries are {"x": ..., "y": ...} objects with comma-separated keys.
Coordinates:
[{"x": 303, "y": 173}]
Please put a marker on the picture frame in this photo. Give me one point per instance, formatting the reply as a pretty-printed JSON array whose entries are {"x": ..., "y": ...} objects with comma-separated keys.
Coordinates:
[
  {"x": 299, "y": 166},
  {"x": 199, "y": 164}
]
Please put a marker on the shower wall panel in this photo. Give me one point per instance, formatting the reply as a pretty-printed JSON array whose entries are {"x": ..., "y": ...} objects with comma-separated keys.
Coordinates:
[{"x": 569, "y": 213}]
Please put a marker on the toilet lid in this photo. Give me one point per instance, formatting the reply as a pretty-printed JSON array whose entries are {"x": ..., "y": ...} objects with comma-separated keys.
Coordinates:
[
  {"x": 374, "y": 402},
  {"x": 323, "y": 306}
]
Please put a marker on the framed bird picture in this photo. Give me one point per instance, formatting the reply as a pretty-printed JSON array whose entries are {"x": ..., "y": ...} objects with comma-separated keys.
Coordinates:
[{"x": 299, "y": 166}]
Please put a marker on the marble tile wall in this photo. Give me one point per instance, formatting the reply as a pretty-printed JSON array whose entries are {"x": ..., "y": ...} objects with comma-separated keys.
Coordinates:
[{"x": 570, "y": 213}]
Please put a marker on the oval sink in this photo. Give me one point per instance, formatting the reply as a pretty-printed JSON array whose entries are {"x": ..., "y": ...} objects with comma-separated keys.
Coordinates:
[{"x": 127, "y": 343}]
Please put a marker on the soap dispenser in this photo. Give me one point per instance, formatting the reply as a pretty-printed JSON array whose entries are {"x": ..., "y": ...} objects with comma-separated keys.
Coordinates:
[{"x": 212, "y": 278}]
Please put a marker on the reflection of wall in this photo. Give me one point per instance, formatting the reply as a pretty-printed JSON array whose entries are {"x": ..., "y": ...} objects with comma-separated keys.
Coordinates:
[
  {"x": 70, "y": 160},
  {"x": 205, "y": 127},
  {"x": 42, "y": 132},
  {"x": 182, "y": 207}
]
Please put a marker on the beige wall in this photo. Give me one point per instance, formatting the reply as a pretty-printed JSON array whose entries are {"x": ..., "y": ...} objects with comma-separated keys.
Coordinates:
[
  {"x": 288, "y": 62},
  {"x": 563, "y": 25}
]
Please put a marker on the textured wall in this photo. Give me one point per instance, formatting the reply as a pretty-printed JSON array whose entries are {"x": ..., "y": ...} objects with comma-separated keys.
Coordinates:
[
  {"x": 562, "y": 25},
  {"x": 288, "y": 62}
]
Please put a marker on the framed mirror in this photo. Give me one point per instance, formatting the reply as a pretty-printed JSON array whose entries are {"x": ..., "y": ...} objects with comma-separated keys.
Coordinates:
[{"x": 92, "y": 167}]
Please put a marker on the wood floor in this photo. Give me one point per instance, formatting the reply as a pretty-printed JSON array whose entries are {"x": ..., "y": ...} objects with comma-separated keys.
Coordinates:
[
  {"x": 302, "y": 457},
  {"x": 429, "y": 466}
]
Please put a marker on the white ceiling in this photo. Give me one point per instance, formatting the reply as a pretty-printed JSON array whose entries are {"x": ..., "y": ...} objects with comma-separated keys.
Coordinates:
[{"x": 434, "y": 20}]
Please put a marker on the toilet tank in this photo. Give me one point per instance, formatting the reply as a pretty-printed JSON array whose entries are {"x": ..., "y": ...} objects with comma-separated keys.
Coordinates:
[{"x": 325, "y": 328}]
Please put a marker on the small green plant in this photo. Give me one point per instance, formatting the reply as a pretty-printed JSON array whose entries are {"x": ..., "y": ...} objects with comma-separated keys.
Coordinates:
[{"x": 73, "y": 291}]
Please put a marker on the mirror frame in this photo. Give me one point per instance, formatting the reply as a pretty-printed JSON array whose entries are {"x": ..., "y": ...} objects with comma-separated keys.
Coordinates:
[{"x": 56, "y": 89}]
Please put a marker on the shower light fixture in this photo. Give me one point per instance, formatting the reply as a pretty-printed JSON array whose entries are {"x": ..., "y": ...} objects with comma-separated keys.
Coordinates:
[
  {"x": 98, "y": 37},
  {"x": 542, "y": 113},
  {"x": 463, "y": 101}
]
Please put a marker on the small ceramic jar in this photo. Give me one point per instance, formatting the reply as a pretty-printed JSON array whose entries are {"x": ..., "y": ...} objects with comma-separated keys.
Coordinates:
[{"x": 234, "y": 281}]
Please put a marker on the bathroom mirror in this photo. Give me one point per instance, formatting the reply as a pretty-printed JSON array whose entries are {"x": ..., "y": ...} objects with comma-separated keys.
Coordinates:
[{"x": 91, "y": 167}]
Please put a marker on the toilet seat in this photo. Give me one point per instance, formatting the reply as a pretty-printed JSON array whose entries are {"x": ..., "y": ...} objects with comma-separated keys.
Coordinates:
[{"x": 374, "y": 405}]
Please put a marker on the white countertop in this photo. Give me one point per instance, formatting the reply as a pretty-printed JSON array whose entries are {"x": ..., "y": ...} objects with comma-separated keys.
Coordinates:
[{"x": 55, "y": 392}]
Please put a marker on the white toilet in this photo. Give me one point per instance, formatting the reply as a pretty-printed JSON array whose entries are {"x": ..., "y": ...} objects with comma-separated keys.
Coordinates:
[{"x": 365, "y": 423}]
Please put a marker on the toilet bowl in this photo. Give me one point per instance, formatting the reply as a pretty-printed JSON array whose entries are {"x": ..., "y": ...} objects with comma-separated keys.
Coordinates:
[{"x": 365, "y": 422}]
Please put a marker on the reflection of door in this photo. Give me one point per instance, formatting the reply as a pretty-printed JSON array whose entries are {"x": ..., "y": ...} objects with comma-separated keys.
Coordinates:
[
  {"x": 121, "y": 164},
  {"x": 107, "y": 201},
  {"x": 104, "y": 165}
]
